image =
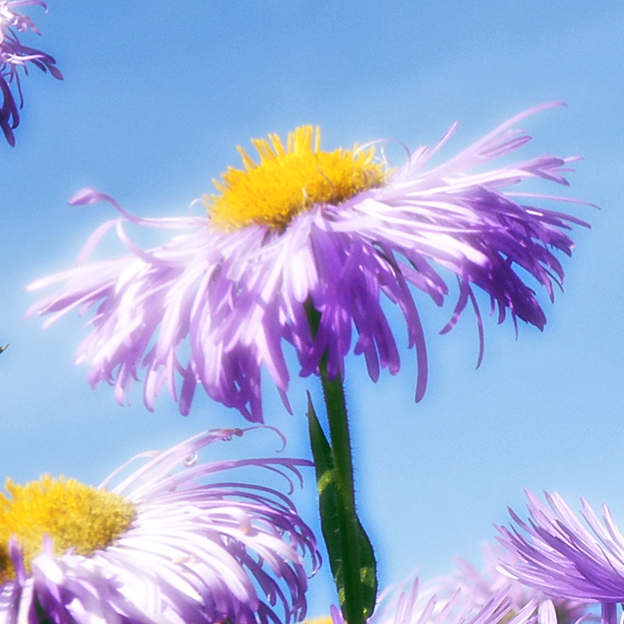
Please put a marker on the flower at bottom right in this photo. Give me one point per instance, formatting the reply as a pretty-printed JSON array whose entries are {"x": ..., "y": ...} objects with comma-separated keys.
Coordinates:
[{"x": 558, "y": 553}]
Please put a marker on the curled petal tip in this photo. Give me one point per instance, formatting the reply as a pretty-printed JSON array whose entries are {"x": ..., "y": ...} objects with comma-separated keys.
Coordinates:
[
  {"x": 56, "y": 73},
  {"x": 86, "y": 196}
]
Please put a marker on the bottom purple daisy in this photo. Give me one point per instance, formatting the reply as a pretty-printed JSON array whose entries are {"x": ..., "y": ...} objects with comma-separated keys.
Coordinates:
[
  {"x": 160, "y": 546},
  {"x": 476, "y": 587},
  {"x": 416, "y": 605}
]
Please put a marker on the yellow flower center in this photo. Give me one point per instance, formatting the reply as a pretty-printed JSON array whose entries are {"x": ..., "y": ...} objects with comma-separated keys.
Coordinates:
[
  {"x": 288, "y": 181},
  {"x": 324, "y": 619},
  {"x": 74, "y": 515}
]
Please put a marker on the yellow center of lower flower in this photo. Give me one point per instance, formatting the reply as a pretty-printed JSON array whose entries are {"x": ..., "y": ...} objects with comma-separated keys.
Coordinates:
[
  {"x": 290, "y": 180},
  {"x": 74, "y": 515},
  {"x": 324, "y": 619}
]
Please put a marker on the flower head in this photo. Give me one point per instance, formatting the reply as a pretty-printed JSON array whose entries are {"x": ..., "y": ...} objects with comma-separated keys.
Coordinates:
[
  {"x": 13, "y": 55},
  {"x": 556, "y": 553},
  {"x": 161, "y": 546},
  {"x": 407, "y": 606},
  {"x": 477, "y": 587},
  {"x": 304, "y": 229}
]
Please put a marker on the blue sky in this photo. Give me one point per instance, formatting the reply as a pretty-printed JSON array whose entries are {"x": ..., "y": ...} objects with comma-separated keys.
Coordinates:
[{"x": 156, "y": 97}]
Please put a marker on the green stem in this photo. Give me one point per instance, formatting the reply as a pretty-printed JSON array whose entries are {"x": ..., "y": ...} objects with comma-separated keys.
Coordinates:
[
  {"x": 340, "y": 438},
  {"x": 40, "y": 613},
  {"x": 340, "y": 443},
  {"x": 355, "y": 553}
]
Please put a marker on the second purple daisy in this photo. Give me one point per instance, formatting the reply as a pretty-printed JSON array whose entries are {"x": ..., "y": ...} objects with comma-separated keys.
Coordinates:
[{"x": 166, "y": 544}]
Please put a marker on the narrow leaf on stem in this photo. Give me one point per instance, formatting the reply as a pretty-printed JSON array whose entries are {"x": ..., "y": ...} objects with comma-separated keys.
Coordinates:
[{"x": 350, "y": 552}]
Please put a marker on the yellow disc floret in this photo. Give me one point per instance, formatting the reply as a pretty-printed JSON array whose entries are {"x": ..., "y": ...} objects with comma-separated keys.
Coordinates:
[
  {"x": 74, "y": 515},
  {"x": 324, "y": 619},
  {"x": 288, "y": 181}
]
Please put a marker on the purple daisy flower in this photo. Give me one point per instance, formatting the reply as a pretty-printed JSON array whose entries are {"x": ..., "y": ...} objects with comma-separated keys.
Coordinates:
[
  {"x": 556, "y": 553},
  {"x": 308, "y": 229},
  {"x": 161, "y": 546},
  {"x": 14, "y": 55},
  {"x": 409, "y": 607},
  {"x": 477, "y": 587}
]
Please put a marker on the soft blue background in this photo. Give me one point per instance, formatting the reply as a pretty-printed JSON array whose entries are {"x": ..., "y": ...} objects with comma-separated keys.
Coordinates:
[{"x": 156, "y": 97}]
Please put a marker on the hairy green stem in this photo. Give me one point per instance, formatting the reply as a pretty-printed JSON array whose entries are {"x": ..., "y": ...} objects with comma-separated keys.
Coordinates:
[
  {"x": 354, "y": 557},
  {"x": 340, "y": 442}
]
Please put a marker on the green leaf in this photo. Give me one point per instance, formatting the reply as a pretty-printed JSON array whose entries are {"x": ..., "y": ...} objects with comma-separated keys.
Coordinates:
[{"x": 354, "y": 569}]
